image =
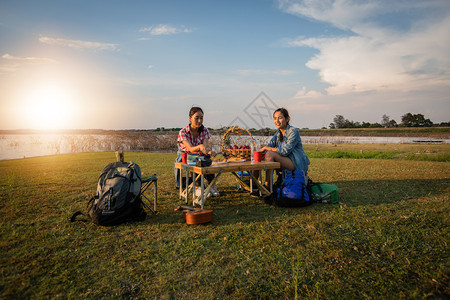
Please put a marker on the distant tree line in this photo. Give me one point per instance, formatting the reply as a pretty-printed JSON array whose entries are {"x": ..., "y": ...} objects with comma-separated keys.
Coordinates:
[
  {"x": 261, "y": 132},
  {"x": 408, "y": 120}
]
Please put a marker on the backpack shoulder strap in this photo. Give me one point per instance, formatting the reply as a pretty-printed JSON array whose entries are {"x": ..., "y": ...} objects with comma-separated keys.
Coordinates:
[
  {"x": 73, "y": 218},
  {"x": 75, "y": 215}
]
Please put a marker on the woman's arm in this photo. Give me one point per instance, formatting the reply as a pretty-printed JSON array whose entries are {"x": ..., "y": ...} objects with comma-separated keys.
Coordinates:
[
  {"x": 272, "y": 145},
  {"x": 267, "y": 148},
  {"x": 190, "y": 148}
]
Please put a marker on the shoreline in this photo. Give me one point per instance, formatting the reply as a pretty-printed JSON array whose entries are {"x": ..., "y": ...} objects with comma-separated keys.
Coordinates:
[{"x": 429, "y": 132}]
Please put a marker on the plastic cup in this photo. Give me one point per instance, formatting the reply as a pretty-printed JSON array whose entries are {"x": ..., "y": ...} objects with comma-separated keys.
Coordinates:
[
  {"x": 258, "y": 156},
  {"x": 184, "y": 157}
]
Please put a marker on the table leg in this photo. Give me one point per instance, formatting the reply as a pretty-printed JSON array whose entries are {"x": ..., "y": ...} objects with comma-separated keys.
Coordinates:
[
  {"x": 271, "y": 181},
  {"x": 261, "y": 187},
  {"x": 259, "y": 179},
  {"x": 187, "y": 184},
  {"x": 202, "y": 188},
  {"x": 181, "y": 185},
  {"x": 243, "y": 185},
  {"x": 180, "y": 195},
  {"x": 205, "y": 192},
  {"x": 193, "y": 186}
]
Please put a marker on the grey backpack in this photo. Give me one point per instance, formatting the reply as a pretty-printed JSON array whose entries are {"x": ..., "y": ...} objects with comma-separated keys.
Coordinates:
[{"x": 118, "y": 195}]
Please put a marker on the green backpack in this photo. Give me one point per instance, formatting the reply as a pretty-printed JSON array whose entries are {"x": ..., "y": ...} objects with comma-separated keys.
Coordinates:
[{"x": 323, "y": 192}]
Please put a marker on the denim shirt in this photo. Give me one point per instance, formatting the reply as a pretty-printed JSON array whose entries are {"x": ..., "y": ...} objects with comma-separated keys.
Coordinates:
[{"x": 291, "y": 147}]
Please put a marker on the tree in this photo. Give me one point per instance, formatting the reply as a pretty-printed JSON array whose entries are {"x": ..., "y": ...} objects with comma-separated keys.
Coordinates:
[
  {"x": 417, "y": 120},
  {"x": 392, "y": 124},
  {"x": 365, "y": 124},
  {"x": 407, "y": 120},
  {"x": 385, "y": 119},
  {"x": 356, "y": 124},
  {"x": 386, "y": 122},
  {"x": 340, "y": 121}
]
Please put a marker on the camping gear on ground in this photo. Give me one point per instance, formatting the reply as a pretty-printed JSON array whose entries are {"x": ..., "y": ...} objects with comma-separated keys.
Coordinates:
[
  {"x": 118, "y": 196},
  {"x": 196, "y": 216},
  {"x": 290, "y": 191},
  {"x": 235, "y": 152},
  {"x": 323, "y": 193}
]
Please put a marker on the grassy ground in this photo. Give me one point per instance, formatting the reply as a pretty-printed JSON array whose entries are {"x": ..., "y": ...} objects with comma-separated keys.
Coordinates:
[
  {"x": 428, "y": 152},
  {"x": 432, "y": 132},
  {"x": 387, "y": 239}
]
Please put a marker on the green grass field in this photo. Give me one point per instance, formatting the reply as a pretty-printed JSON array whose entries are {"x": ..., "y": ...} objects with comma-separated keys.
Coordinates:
[{"x": 387, "y": 239}]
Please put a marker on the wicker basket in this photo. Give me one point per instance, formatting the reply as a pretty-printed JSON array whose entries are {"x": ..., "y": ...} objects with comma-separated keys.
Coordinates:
[{"x": 238, "y": 154}]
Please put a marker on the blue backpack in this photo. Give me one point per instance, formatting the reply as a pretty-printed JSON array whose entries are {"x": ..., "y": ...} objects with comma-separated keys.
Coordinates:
[{"x": 290, "y": 192}]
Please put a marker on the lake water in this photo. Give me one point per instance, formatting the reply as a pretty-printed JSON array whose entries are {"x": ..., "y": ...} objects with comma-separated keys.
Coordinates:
[{"x": 14, "y": 146}]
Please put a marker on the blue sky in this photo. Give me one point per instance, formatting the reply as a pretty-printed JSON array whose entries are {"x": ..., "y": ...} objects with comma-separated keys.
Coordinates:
[{"x": 143, "y": 64}]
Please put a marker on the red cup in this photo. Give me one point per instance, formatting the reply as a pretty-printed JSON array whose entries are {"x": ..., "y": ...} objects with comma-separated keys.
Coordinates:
[
  {"x": 184, "y": 157},
  {"x": 258, "y": 156}
]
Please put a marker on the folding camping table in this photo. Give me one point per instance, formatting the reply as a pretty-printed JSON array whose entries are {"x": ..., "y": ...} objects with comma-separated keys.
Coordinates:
[{"x": 218, "y": 169}]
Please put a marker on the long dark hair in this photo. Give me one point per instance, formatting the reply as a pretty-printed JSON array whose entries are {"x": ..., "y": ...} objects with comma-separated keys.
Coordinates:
[
  {"x": 193, "y": 111},
  {"x": 285, "y": 113}
]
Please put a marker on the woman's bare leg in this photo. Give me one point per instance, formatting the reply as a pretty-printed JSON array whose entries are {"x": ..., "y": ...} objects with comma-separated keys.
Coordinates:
[{"x": 285, "y": 162}]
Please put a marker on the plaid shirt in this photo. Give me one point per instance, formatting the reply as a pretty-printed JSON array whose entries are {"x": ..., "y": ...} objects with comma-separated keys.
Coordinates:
[{"x": 185, "y": 134}]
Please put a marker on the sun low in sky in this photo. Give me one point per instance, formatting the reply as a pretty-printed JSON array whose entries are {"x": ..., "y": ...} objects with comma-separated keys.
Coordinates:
[
  {"x": 143, "y": 64},
  {"x": 48, "y": 105}
]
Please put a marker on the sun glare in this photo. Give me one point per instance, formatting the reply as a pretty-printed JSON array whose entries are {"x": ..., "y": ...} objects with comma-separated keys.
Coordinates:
[{"x": 48, "y": 106}]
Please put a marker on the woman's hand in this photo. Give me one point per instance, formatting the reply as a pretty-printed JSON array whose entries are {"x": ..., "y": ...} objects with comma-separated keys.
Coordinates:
[
  {"x": 212, "y": 153},
  {"x": 269, "y": 149},
  {"x": 202, "y": 149}
]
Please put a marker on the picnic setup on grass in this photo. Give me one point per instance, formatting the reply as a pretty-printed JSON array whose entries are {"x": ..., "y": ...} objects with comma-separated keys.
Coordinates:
[{"x": 123, "y": 194}]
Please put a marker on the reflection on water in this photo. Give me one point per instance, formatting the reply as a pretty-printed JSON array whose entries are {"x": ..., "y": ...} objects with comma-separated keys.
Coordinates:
[
  {"x": 20, "y": 146},
  {"x": 14, "y": 146}
]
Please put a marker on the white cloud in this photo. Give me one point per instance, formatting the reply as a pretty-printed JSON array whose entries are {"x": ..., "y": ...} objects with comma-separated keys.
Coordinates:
[
  {"x": 341, "y": 13},
  {"x": 11, "y": 63},
  {"x": 78, "y": 44},
  {"x": 375, "y": 56},
  {"x": 164, "y": 29},
  {"x": 249, "y": 72},
  {"x": 34, "y": 60},
  {"x": 303, "y": 93}
]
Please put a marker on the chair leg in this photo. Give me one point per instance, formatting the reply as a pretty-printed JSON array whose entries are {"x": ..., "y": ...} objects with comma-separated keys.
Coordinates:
[
  {"x": 155, "y": 191},
  {"x": 145, "y": 186}
]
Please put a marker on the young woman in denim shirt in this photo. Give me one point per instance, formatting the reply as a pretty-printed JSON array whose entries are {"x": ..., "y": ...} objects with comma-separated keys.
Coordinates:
[{"x": 286, "y": 146}]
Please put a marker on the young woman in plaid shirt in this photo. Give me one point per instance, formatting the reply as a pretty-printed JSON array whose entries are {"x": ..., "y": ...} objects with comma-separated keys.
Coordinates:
[{"x": 194, "y": 138}]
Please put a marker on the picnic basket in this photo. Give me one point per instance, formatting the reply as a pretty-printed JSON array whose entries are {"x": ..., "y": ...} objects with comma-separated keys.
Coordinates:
[{"x": 229, "y": 152}]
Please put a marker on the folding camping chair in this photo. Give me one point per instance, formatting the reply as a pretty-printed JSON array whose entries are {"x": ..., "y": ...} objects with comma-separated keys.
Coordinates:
[{"x": 146, "y": 183}]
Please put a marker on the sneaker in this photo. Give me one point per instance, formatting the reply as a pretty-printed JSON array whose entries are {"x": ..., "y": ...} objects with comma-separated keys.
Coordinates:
[
  {"x": 214, "y": 191},
  {"x": 198, "y": 192}
]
